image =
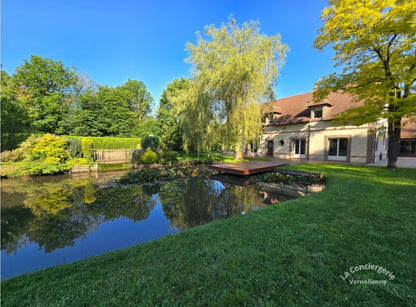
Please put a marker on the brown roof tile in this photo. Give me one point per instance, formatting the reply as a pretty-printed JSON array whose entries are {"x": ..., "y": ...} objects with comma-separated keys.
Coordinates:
[{"x": 297, "y": 109}]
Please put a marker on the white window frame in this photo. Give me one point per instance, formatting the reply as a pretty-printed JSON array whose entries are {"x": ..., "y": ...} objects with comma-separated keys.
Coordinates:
[
  {"x": 321, "y": 108},
  {"x": 337, "y": 157},
  {"x": 299, "y": 154}
]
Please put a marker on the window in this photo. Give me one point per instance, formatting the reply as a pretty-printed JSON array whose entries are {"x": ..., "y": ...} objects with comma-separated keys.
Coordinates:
[
  {"x": 269, "y": 118},
  {"x": 408, "y": 148},
  {"x": 338, "y": 149},
  {"x": 317, "y": 112},
  {"x": 299, "y": 148}
]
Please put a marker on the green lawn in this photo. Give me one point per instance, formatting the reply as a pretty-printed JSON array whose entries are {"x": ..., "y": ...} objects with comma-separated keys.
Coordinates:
[{"x": 288, "y": 254}]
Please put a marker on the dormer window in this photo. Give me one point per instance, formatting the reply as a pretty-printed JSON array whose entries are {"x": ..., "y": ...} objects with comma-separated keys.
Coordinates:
[
  {"x": 271, "y": 117},
  {"x": 317, "y": 112}
]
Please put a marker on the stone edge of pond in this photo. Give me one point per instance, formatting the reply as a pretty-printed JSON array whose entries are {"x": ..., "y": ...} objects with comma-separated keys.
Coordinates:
[{"x": 295, "y": 190}]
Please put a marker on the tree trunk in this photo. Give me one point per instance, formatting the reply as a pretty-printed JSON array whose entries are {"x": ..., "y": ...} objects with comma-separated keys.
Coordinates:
[
  {"x": 238, "y": 152},
  {"x": 394, "y": 143}
]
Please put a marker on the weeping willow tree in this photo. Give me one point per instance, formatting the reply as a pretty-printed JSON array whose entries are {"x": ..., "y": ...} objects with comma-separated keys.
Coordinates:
[
  {"x": 233, "y": 69},
  {"x": 192, "y": 107}
]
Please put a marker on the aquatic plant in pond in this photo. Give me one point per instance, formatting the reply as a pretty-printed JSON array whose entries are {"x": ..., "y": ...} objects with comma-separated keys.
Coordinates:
[
  {"x": 285, "y": 177},
  {"x": 164, "y": 173},
  {"x": 168, "y": 173}
]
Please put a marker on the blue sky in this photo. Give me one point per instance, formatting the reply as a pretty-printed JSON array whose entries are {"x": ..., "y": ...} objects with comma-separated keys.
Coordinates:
[{"x": 114, "y": 40}]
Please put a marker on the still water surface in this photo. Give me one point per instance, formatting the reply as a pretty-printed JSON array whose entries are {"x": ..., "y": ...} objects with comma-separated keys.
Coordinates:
[{"x": 52, "y": 220}]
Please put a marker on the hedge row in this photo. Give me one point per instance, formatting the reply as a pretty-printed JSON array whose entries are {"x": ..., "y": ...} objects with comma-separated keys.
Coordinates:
[
  {"x": 115, "y": 143},
  {"x": 108, "y": 142}
]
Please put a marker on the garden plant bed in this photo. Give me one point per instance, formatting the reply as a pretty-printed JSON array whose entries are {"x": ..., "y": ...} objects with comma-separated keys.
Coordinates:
[
  {"x": 164, "y": 173},
  {"x": 290, "y": 183}
]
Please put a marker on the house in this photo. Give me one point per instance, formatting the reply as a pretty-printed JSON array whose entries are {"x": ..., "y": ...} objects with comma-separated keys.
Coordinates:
[
  {"x": 408, "y": 139},
  {"x": 297, "y": 128}
]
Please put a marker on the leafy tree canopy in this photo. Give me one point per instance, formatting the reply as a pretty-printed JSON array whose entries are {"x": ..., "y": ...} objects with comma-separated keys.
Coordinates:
[
  {"x": 375, "y": 44},
  {"x": 137, "y": 97},
  {"x": 46, "y": 96},
  {"x": 168, "y": 117},
  {"x": 234, "y": 68},
  {"x": 14, "y": 117},
  {"x": 46, "y": 86}
]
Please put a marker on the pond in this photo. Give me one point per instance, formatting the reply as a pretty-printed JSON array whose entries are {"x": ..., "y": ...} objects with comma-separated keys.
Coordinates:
[{"x": 52, "y": 220}]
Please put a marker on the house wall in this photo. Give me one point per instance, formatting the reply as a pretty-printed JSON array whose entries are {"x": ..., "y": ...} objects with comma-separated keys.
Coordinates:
[{"x": 362, "y": 141}]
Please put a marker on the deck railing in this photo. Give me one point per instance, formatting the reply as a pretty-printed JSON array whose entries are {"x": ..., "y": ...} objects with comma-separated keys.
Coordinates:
[{"x": 103, "y": 156}]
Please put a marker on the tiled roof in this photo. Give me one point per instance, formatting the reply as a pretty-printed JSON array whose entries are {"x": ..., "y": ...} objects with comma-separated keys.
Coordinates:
[{"x": 297, "y": 109}]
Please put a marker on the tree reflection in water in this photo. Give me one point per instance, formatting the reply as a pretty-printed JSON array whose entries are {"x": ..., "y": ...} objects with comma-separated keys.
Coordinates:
[
  {"x": 54, "y": 214},
  {"x": 194, "y": 202}
]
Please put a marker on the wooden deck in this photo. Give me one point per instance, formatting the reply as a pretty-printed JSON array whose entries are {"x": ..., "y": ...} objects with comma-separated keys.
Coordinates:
[{"x": 247, "y": 168}]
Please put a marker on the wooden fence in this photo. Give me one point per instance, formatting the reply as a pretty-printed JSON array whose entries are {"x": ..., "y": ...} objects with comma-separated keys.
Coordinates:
[{"x": 112, "y": 156}]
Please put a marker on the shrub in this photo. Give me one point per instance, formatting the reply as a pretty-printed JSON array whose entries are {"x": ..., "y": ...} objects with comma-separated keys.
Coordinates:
[
  {"x": 136, "y": 155},
  {"x": 43, "y": 168},
  {"x": 87, "y": 146},
  {"x": 77, "y": 161},
  {"x": 28, "y": 145},
  {"x": 149, "y": 157},
  {"x": 151, "y": 142},
  {"x": 169, "y": 156},
  {"x": 74, "y": 145},
  {"x": 50, "y": 148},
  {"x": 12, "y": 156}
]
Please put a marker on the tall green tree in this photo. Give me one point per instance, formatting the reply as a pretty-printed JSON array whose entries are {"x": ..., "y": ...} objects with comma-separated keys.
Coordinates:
[
  {"x": 375, "y": 44},
  {"x": 47, "y": 86},
  {"x": 149, "y": 127},
  {"x": 119, "y": 120},
  {"x": 14, "y": 117},
  {"x": 98, "y": 110},
  {"x": 193, "y": 108},
  {"x": 235, "y": 68},
  {"x": 86, "y": 116},
  {"x": 137, "y": 97},
  {"x": 167, "y": 116}
]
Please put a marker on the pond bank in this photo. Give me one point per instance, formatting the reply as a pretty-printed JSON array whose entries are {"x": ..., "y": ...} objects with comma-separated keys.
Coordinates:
[
  {"x": 54, "y": 220},
  {"x": 289, "y": 254}
]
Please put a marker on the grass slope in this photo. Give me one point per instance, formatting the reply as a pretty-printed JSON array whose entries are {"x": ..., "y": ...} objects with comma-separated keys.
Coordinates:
[{"x": 289, "y": 254}]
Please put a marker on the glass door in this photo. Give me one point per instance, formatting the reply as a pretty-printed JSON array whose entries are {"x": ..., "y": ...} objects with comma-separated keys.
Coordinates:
[
  {"x": 338, "y": 149},
  {"x": 299, "y": 148}
]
